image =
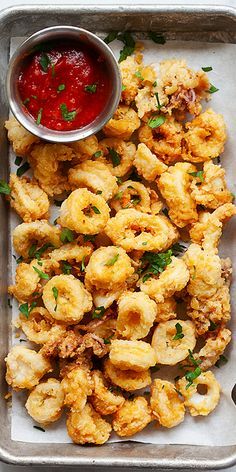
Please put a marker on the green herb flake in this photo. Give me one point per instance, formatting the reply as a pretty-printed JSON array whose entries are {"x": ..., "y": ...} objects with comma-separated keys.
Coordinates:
[
  {"x": 191, "y": 376},
  {"x": 27, "y": 100},
  {"x": 153, "y": 264},
  {"x": 25, "y": 309},
  {"x": 99, "y": 192},
  {"x": 83, "y": 264},
  {"x": 179, "y": 334},
  {"x": 207, "y": 69},
  {"x": 44, "y": 62},
  {"x": 232, "y": 195},
  {"x": 19, "y": 260},
  {"x": 39, "y": 117},
  {"x": 18, "y": 160},
  {"x": 96, "y": 210},
  {"x": 61, "y": 87},
  {"x": 98, "y": 312},
  {"x": 158, "y": 101},
  {"x": 4, "y": 188},
  {"x": 112, "y": 261},
  {"x": 115, "y": 157},
  {"x": 129, "y": 45},
  {"x": 212, "y": 326},
  {"x": 41, "y": 274},
  {"x": 67, "y": 115},
  {"x": 199, "y": 174},
  {"x": 156, "y": 121},
  {"x": 193, "y": 275},
  {"x": 157, "y": 38},
  {"x": 92, "y": 88},
  {"x": 66, "y": 235},
  {"x": 213, "y": 89},
  {"x": 32, "y": 250},
  {"x": 165, "y": 211},
  {"x": 110, "y": 37},
  {"x": 53, "y": 70},
  {"x": 144, "y": 243},
  {"x": 107, "y": 340},
  {"x": 97, "y": 154},
  {"x": 89, "y": 237},
  {"x": 192, "y": 359},
  {"x": 154, "y": 84},
  {"x": 135, "y": 200},
  {"x": 138, "y": 75},
  {"x": 66, "y": 268},
  {"x": 55, "y": 294},
  {"x": 34, "y": 96},
  {"x": 118, "y": 195},
  {"x": 22, "y": 169},
  {"x": 39, "y": 428},
  {"x": 119, "y": 180},
  {"x": 123, "y": 87},
  {"x": 222, "y": 360}
]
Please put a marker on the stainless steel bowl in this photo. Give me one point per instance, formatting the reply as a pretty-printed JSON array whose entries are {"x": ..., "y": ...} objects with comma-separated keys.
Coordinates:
[{"x": 51, "y": 34}]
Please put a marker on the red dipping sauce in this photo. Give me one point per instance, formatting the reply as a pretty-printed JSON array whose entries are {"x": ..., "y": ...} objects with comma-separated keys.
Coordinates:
[{"x": 64, "y": 88}]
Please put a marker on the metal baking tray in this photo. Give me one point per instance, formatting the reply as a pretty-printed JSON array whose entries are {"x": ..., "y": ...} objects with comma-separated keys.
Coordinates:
[{"x": 209, "y": 23}]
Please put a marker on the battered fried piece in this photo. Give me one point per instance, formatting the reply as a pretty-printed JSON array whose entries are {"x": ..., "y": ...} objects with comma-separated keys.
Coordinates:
[
  {"x": 200, "y": 404},
  {"x": 39, "y": 327},
  {"x": 85, "y": 148},
  {"x": 122, "y": 125},
  {"x": 166, "y": 141},
  {"x": 108, "y": 268},
  {"x": 87, "y": 426},
  {"x": 94, "y": 175},
  {"x": 133, "y": 416},
  {"x": 118, "y": 155},
  {"x": 214, "y": 348},
  {"x": 77, "y": 385},
  {"x": 103, "y": 399},
  {"x": 132, "y": 229},
  {"x": 71, "y": 252},
  {"x": 106, "y": 298},
  {"x": 26, "y": 281},
  {"x": 103, "y": 328},
  {"x": 205, "y": 137},
  {"x": 25, "y": 367},
  {"x": 166, "y": 405},
  {"x": 66, "y": 299},
  {"x": 130, "y": 81},
  {"x": 173, "y": 279},
  {"x": 84, "y": 212},
  {"x": 132, "y": 195},
  {"x": 134, "y": 355},
  {"x": 21, "y": 139},
  {"x": 147, "y": 164},
  {"x": 128, "y": 380},
  {"x": 45, "y": 402},
  {"x": 174, "y": 186},
  {"x": 136, "y": 315},
  {"x": 28, "y": 199},
  {"x": 40, "y": 232},
  {"x": 166, "y": 310},
  {"x": 169, "y": 347},
  {"x": 145, "y": 101},
  {"x": 48, "y": 164}
]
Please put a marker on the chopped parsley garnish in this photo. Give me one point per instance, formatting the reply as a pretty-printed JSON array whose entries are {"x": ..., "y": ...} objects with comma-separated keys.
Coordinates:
[
  {"x": 19, "y": 259},
  {"x": 207, "y": 69},
  {"x": 92, "y": 88},
  {"x": 153, "y": 264},
  {"x": 154, "y": 84},
  {"x": 119, "y": 180},
  {"x": 55, "y": 294},
  {"x": 129, "y": 45},
  {"x": 39, "y": 428},
  {"x": 99, "y": 192},
  {"x": 41, "y": 274},
  {"x": 67, "y": 115},
  {"x": 98, "y": 312},
  {"x": 192, "y": 359},
  {"x": 110, "y": 37},
  {"x": 89, "y": 237},
  {"x": 18, "y": 160},
  {"x": 213, "y": 89},
  {"x": 191, "y": 376},
  {"x": 179, "y": 334},
  {"x": 66, "y": 236},
  {"x": 165, "y": 211},
  {"x": 177, "y": 249},
  {"x": 53, "y": 70},
  {"x": 158, "y": 38},
  {"x": 198, "y": 174},
  {"x": 26, "y": 309},
  {"x": 22, "y": 169},
  {"x": 97, "y": 154},
  {"x": 96, "y": 210},
  {"x": 112, "y": 261},
  {"x": 37, "y": 253},
  {"x": 66, "y": 268},
  {"x": 107, "y": 340},
  {"x": 158, "y": 101},
  {"x": 123, "y": 87},
  {"x": 34, "y": 96},
  {"x": 32, "y": 250},
  {"x": 27, "y": 100},
  {"x": 135, "y": 200},
  {"x": 222, "y": 360},
  {"x": 212, "y": 326},
  {"x": 44, "y": 61},
  {"x": 144, "y": 243},
  {"x": 4, "y": 188},
  {"x": 139, "y": 75},
  {"x": 83, "y": 264},
  {"x": 61, "y": 87},
  {"x": 118, "y": 195},
  {"x": 39, "y": 117},
  {"x": 193, "y": 276},
  {"x": 156, "y": 121},
  {"x": 115, "y": 157}
]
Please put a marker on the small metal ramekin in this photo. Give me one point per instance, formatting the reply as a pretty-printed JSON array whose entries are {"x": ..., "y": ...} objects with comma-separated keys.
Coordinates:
[{"x": 51, "y": 34}]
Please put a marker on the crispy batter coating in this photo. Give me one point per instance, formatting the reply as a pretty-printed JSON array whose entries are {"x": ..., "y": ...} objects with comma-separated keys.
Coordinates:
[
  {"x": 105, "y": 400},
  {"x": 25, "y": 367},
  {"x": 71, "y": 252},
  {"x": 87, "y": 426},
  {"x": 122, "y": 125},
  {"x": 166, "y": 310},
  {"x": 168, "y": 349},
  {"x": 134, "y": 355},
  {"x": 21, "y": 139},
  {"x": 28, "y": 199},
  {"x": 71, "y": 301},
  {"x": 136, "y": 315},
  {"x": 130, "y": 81},
  {"x": 166, "y": 404},
  {"x": 108, "y": 268},
  {"x": 118, "y": 155},
  {"x": 77, "y": 385},
  {"x": 214, "y": 348},
  {"x": 40, "y": 327},
  {"x": 106, "y": 298},
  {"x": 147, "y": 164},
  {"x": 95, "y": 176},
  {"x": 205, "y": 137},
  {"x": 174, "y": 186},
  {"x": 36, "y": 232},
  {"x": 128, "y": 380},
  {"x": 132, "y": 195},
  {"x": 197, "y": 403},
  {"x": 131, "y": 228},
  {"x": 84, "y": 212},
  {"x": 133, "y": 416},
  {"x": 85, "y": 148},
  {"x": 45, "y": 402},
  {"x": 26, "y": 281}
]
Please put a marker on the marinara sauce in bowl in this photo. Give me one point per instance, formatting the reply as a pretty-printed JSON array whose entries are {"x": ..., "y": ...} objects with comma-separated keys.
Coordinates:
[{"x": 63, "y": 84}]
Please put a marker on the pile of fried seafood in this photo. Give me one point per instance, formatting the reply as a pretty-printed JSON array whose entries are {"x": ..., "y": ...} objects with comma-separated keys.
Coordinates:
[{"x": 127, "y": 279}]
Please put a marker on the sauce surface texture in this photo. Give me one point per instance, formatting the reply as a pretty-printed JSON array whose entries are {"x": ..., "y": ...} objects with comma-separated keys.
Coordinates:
[{"x": 64, "y": 88}]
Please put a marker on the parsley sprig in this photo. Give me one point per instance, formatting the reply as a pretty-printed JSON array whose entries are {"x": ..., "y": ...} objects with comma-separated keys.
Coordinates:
[
  {"x": 98, "y": 312},
  {"x": 153, "y": 264},
  {"x": 179, "y": 332}
]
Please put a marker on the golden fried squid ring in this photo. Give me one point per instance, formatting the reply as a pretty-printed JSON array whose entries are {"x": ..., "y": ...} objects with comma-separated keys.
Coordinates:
[
  {"x": 130, "y": 81},
  {"x": 147, "y": 164},
  {"x": 165, "y": 141},
  {"x": 214, "y": 348},
  {"x": 45, "y": 402},
  {"x": 118, "y": 155},
  {"x": 104, "y": 400},
  {"x": 85, "y": 148},
  {"x": 166, "y": 310},
  {"x": 165, "y": 404},
  {"x": 87, "y": 426},
  {"x": 132, "y": 229},
  {"x": 136, "y": 315},
  {"x": 122, "y": 125},
  {"x": 174, "y": 186},
  {"x": 71, "y": 252},
  {"x": 211, "y": 191},
  {"x": 66, "y": 299},
  {"x": 77, "y": 385},
  {"x": 169, "y": 347},
  {"x": 128, "y": 380},
  {"x": 200, "y": 404},
  {"x": 173, "y": 279},
  {"x": 94, "y": 175},
  {"x": 132, "y": 195},
  {"x": 26, "y": 281},
  {"x": 28, "y": 199},
  {"x": 41, "y": 232},
  {"x": 108, "y": 268},
  {"x": 133, "y": 355},
  {"x": 106, "y": 298},
  {"x": 21, "y": 139},
  {"x": 205, "y": 137},
  {"x": 84, "y": 212},
  {"x": 39, "y": 327},
  {"x": 25, "y": 367},
  {"x": 133, "y": 416}
]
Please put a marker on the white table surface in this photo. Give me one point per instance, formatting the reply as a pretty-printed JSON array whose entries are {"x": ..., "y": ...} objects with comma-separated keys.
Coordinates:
[{"x": 8, "y": 3}]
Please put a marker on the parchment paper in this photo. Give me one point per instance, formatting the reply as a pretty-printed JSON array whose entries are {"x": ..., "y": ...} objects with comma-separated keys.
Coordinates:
[{"x": 219, "y": 428}]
